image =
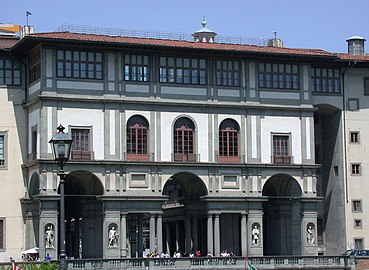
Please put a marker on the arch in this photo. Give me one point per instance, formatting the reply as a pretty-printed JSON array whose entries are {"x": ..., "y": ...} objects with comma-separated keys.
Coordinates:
[
  {"x": 34, "y": 185},
  {"x": 83, "y": 214},
  {"x": 184, "y": 211},
  {"x": 282, "y": 185},
  {"x": 282, "y": 216},
  {"x": 191, "y": 185}
]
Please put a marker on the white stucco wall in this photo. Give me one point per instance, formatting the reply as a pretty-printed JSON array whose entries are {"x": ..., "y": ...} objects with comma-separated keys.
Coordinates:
[
  {"x": 166, "y": 126},
  {"x": 287, "y": 125},
  {"x": 86, "y": 117}
]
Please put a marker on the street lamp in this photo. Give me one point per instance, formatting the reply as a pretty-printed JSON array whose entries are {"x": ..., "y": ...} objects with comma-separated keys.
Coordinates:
[{"x": 61, "y": 145}]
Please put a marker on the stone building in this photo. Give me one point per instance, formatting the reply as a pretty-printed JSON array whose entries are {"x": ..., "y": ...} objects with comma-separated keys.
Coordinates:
[{"x": 182, "y": 145}]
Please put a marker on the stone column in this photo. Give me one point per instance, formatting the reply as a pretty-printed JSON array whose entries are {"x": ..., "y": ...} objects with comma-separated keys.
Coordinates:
[
  {"x": 177, "y": 236},
  {"x": 152, "y": 233},
  {"x": 216, "y": 236},
  {"x": 140, "y": 236},
  {"x": 210, "y": 234},
  {"x": 159, "y": 233},
  {"x": 167, "y": 236},
  {"x": 194, "y": 233},
  {"x": 243, "y": 235},
  {"x": 123, "y": 236},
  {"x": 188, "y": 234}
]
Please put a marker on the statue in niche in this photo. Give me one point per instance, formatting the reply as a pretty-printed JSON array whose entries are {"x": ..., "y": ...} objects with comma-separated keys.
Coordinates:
[
  {"x": 255, "y": 232},
  {"x": 49, "y": 236},
  {"x": 113, "y": 237},
  {"x": 310, "y": 234}
]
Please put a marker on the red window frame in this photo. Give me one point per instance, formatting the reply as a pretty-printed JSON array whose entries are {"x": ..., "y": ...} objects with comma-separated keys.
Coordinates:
[
  {"x": 229, "y": 145},
  {"x": 184, "y": 141},
  {"x": 81, "y": 148},
  {"x": 281, "y": 149},
  {"x": 137, "y": 139}
]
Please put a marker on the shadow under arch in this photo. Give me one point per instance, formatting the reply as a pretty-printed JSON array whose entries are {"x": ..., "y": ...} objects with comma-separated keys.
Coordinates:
[
  {"x": 282, "y": 219},
  {"x": 183, "y": 212},
  {"x": 34, "y": 185},
  {"x": 83, "y": 215}
]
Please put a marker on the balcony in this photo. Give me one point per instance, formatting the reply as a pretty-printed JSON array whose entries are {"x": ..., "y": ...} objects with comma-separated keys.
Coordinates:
[
  {"x": 282, "y": 159},
  {"x": 229, "y": 159},
  {"x": 185, "y": 157},
  {"x": 82, "y": 155},
  {"x": 138, "y": 157}
]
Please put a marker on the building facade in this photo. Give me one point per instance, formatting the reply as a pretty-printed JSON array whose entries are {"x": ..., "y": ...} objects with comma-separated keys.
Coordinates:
[{"x": 183, "y": 146}]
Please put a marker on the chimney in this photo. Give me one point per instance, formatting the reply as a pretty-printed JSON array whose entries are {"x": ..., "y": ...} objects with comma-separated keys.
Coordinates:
[
  {"x": 356, "y": 45},
  {"x": 275, "y": 42},
  {"x": 26, "y": 30}
]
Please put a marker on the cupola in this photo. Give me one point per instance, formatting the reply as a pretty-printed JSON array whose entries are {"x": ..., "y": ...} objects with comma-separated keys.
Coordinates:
[{"x": 204, "y": 34}]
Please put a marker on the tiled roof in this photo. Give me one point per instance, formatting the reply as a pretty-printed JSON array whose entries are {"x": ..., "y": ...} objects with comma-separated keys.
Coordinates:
[
  {"x": 353, "y": 57},
  {"x": 67, "y": 36}
]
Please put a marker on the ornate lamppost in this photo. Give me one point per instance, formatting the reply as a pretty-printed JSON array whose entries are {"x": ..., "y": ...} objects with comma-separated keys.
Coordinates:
[{"x": 61, "y": 145}]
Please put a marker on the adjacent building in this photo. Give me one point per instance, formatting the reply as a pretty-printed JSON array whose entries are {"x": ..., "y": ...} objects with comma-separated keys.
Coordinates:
[{"x": 183, "y": 146}]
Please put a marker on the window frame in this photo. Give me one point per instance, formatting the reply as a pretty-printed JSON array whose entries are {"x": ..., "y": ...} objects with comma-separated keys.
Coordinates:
[
  {"x": 358, "y": 209},
  {"x": 184, "y": 150},
  {"x": 68, "y": 65},
  {"x": 4, "y": 160},
  {"x": 183, "y": 70},
  {"x": 355, "y": 169},
  {"x": 362, "y": 243},
  {"x": 10, "y": 72},
  {"x": 140, "y": 126},
  {"x": 322, "y": 78},
  {"x": 366, "y": 86},
  {"x": 82, "y": 154},
  {"x": 229, "y": 133},
  {"x": 271, "y": 75},
  {"x": 136, "y": 62},
  {"x": 358, "y": 220},
  {"x": 34, "y": 69},
  {"x": 280, "y": 158},
  {"x": 3, "y": 234},
  {"x": 354, "y": 137},
  {"x": 227, "y": 73}
]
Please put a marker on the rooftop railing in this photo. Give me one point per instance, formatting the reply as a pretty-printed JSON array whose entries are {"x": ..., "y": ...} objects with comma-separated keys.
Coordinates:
[{"x": 140, "y": 33}]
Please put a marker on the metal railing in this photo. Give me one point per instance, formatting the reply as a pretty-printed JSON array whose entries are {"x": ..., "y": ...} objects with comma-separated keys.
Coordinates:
[
  {"x": 276, "y": 262},
  {"x": 140, "y": 33}
]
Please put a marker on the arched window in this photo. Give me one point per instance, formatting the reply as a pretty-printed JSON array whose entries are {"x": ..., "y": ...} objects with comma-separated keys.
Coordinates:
[
  {"x": 229, "y": 132},
  {"x": 137, "y": 138},
  {"x": 184, "y": 140}
]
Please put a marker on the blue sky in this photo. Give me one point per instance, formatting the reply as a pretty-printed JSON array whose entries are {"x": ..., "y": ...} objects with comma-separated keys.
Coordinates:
[{"x": 322, "y": 24}]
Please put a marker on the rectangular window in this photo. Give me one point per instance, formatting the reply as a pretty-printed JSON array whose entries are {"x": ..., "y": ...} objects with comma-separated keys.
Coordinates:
[
  {"x": 2, "y": 234},
  {"x": 35, "y": 67},
  {"x": 281, "y": 152},
  {"x": 325, "y": 80},
  {"x": 81, "y": 148},
  {"x": 278, "y": 76},
  {"x": 79, "y": 64},
  {"x": 355, "y": 169},
  {"x": 10, "y": 72},
  {"x": 358, "y": 243},
  {"x": 354, "y": 137},
  {"x": 227, "y": 73},
  {"x": 358, "y": 224},
  {"x": 183, "y": 70},
  {"x": 3, "y": 150},
  {"x": 366, "y": 86},
  {"x": 357, "y": 206},
  {"x": 136, "y": 68}
]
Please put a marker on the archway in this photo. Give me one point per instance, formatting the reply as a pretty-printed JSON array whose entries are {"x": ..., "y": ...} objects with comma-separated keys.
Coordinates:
[
  {"x": 83, "y": 215},
  {"x": 185, "y": 214},
  {"x": 282, "y": 219}
]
